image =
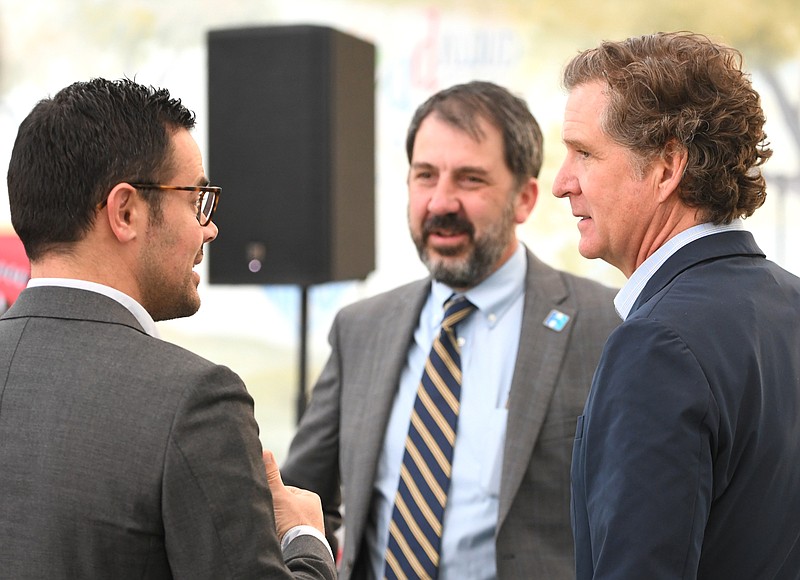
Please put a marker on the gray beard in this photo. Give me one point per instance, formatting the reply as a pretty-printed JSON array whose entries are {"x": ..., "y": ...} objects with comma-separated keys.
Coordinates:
[
  {"x": 467, "y": 272},
  {"x": 471, "y": 270}
]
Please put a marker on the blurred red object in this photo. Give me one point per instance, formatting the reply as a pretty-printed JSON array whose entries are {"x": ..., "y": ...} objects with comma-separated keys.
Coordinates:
[{"x": 15, "y": 269}]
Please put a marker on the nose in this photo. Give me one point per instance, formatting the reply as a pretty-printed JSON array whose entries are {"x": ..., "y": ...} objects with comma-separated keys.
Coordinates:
[
  {"x": 210, "y": 231},
  {"x": 444, "y": 199},
  {"x": 565, "y": 182}
]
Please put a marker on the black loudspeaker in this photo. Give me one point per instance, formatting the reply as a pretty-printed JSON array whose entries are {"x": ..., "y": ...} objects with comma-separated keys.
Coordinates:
[{"x": 291, "y": 141}]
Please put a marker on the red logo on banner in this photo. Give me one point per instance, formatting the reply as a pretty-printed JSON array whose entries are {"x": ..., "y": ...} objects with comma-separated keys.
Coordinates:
[{"x": 15, "y": 270}]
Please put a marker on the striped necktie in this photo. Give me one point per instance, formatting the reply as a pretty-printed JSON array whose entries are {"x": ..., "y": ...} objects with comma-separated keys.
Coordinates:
[{"x": 415, "y": 530}]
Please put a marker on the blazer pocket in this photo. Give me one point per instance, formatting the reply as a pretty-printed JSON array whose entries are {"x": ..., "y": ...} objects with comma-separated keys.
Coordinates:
[
  {"x": 557, "y": 430},
  {"x": 579, "y": 429}
]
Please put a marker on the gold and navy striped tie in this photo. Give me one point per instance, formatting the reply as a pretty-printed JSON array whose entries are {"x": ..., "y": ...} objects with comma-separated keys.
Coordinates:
[{"x": 415, "y": 530}]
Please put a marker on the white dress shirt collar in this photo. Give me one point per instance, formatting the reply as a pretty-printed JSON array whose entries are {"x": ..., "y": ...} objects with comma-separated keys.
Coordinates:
[
  {"x": 626, "y": 297},
  {"x": 138, "y": 311}
]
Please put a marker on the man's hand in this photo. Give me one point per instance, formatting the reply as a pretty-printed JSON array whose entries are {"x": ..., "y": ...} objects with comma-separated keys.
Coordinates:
[{"x": 293, "y": 506}]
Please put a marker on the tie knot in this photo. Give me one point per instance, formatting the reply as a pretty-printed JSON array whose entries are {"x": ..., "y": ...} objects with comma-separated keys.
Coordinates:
[{"x": 456, "y": 309}]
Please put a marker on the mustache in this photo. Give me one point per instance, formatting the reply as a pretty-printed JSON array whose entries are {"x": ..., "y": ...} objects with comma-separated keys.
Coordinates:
[{"x": 451, "y": 223}]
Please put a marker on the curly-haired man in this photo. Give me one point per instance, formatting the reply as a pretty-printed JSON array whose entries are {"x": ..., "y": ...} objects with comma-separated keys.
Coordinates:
[{"x": 686, "y": 458}]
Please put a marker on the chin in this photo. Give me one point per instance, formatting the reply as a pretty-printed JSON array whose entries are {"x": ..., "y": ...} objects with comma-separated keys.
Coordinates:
[
  {"x": 587, "y": 250},
  {"x": 192, "y": 304},
  {"x": 180, "y": 306},
  {"x": 436, "y": 260}
]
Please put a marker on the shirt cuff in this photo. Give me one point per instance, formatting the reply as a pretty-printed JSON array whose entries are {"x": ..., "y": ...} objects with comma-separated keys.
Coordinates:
[{"x": 305, "y": 531}]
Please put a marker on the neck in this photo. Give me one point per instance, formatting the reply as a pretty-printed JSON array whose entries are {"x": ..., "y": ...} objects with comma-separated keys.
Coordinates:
[
  {"x": 662, "y": 228},
  {"x": 85, "y": 260}
]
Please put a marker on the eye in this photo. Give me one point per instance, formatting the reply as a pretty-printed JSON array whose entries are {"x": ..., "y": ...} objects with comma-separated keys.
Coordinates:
[
  {"x": 577, "y": 150},
  {"x": 423, "y": 175},
  {"x": 472, "y": 181}
]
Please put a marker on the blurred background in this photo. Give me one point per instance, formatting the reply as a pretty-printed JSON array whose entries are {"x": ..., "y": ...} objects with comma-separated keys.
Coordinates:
[{"x": 421, "y": 47}]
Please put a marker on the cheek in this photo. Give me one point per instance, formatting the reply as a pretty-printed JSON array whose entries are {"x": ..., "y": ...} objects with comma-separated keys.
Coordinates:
[
  {"x": 187, "y": 241},
  {"x": 483, "y": 217},
  {"x": 619, "y": 216},
  {"x": 604, "y": 192},
  {"x": 417, "y": 207}
]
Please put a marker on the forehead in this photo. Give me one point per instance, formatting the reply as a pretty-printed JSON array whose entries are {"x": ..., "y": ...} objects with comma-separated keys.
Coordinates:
[
  {"x": 438, "y": 141},
  {"x": 585, "y": 107}
]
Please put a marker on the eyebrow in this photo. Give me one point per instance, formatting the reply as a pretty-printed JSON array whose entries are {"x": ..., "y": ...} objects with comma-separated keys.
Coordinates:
[
  {"x": 458, "y": 170},
  {"x": 574, "y": 143},
  {"x": 471, "y": 169}
]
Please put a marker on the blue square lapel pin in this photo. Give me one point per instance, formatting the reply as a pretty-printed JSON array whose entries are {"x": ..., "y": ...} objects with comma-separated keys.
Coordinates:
[{"x": 556, "y": 320}]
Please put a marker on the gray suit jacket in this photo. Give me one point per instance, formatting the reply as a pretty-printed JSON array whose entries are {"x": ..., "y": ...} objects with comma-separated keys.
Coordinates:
[
  {"x": 341, "y": 434},
  {"x": 123, "y": 456}
]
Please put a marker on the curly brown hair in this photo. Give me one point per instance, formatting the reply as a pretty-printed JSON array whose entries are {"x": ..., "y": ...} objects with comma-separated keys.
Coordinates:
[{"x": 682, "y": 90}]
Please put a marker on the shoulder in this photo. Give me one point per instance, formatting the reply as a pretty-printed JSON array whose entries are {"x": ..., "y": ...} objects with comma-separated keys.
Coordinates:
[
  {"x": 591, "y": 302},
  {"x": 386, "y": 304},
  {"x": 163, "y": 351},
  {"x": 648, "y": 351},
  {"x": 555, "y": 283},
  {"x": 648, "y": 383},
  {"x": 590, "y": 292},
  {"x": 175, "y": 373}
]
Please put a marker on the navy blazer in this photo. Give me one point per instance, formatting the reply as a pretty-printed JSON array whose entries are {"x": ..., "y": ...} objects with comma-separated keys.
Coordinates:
[{"x": 686, "y": 461}]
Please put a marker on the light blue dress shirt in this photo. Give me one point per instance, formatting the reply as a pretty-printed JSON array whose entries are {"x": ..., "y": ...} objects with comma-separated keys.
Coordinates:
[
  {"x": 489, "y": 341},
  {"x": 626, "y": 297}
]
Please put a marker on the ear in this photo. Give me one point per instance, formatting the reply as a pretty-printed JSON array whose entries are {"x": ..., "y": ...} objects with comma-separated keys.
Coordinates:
[
  {"x": 526, "y": 200},
  {"x": 125, "y": 212},
  {"x": 673, "y": 165}
]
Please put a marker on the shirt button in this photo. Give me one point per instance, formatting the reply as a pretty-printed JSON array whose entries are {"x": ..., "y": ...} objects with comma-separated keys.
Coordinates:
[{"x": 461, "y": 341}]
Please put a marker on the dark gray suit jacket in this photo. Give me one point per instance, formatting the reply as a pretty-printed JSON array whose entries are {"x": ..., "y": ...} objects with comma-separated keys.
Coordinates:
[
  {"x": 341, "y": 433},
  {"x": 124, "y": 456},
  {"x": 687, "y": 460}
]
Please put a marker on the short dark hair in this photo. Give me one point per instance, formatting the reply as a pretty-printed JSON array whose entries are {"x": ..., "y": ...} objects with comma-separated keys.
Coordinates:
[
  {"x": 73, "y": 148},
  {"x": 462, "y": 105},
  {"x": 681, "y": 89}
]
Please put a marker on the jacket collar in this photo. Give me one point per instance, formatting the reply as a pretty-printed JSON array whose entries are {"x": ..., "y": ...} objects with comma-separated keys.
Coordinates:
[{"x": 714, "y": 247}]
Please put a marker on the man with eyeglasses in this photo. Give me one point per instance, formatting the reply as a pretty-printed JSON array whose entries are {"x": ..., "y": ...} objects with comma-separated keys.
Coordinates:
[{"x": 124, "y": 456}]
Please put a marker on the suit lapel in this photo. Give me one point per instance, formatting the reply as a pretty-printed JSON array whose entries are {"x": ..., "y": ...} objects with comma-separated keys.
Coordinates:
[
  {"x": 395, "y": 331},
  {"x": 541, "y": 350}
]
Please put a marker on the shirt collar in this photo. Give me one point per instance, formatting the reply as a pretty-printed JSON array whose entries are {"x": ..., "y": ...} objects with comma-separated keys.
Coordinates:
[
  {"x": 494, "y": 296},
  {"x": 626, "y": 297},
  {"x": 138, "y": 311}
]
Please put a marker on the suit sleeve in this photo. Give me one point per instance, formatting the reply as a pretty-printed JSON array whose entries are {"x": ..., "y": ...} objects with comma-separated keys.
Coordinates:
[
  {"x": 313, "y": 459},
  {"x": 642, "y": 477},
  {"x": 216, "y": 504}
]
